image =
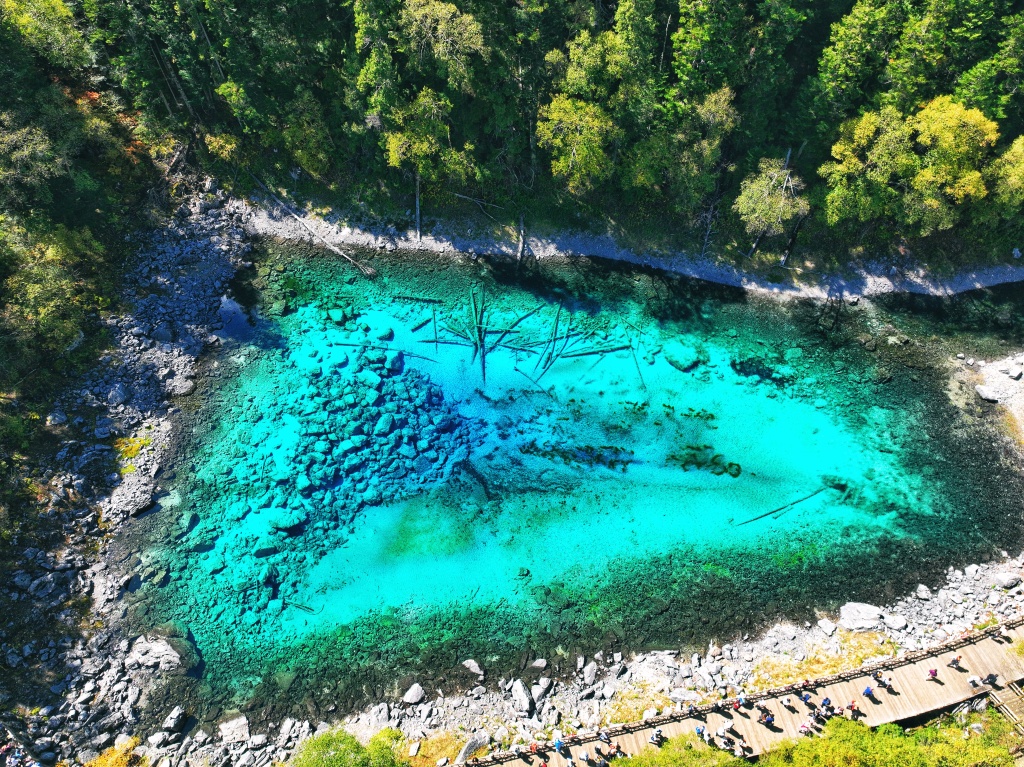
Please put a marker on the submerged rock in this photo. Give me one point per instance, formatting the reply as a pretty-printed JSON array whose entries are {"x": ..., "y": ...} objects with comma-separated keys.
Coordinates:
[{"x": 683, "y": 356}]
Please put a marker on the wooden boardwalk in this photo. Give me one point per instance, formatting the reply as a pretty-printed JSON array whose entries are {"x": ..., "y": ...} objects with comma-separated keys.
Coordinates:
[{"x": 912, "y": 695}]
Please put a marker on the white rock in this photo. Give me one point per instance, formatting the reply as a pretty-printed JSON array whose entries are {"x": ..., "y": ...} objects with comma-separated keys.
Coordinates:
[
  {"x": 589, "y": 673},
  {"x": 476, "y": 741},
  {"x": 414, "y": 694},
  {"x": 414, "y": 748},
  {"x": 540, "y": 663},
  {"x": 473, "y": 666},
  {"x": 153, "y": 653},
  {"x": 541, "y": 689},
  {"x": 923, "y": 592},
  {"x": 858, "y": 616},
  {"x": 521, "y": 696},
  {"x": 1006, "y": 580},
  {"x": 986, "y": 393},
  {"x": 895, "y": 622},
  {"x": 827, "y": 626},
  {"x": 235, "y": 731},
  {"x": 971, "y": 571}
]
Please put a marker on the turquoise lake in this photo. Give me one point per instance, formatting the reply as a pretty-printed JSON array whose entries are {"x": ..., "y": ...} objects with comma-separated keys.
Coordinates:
[{"x": 458, "y": 459}]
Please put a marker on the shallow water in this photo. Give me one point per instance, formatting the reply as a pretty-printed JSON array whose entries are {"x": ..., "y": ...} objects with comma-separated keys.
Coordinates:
[{"x": 631, "y": 461}]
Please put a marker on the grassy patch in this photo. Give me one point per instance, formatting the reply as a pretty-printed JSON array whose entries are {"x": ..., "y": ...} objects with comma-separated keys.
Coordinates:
[
  {"x": 629, "y": 704},
  {"x": 120, "y": 756},
  {"x": 434, "y": 748},
  {"x": 128, "y": 448},
  {"x": 847, "y": 651}
]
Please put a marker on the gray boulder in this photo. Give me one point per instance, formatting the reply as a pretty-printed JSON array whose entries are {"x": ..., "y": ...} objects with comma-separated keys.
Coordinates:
[
  {"x": 895, "y": 622},
  {"x": 476, "y": 741},
  {"x": 235, "y": 730},
  {"x": 521, "y": 697},
  {"x": 859, "y": 616},
  {"x": 1006, "y": 580},
  {"x": 827, "y": 626},
  {"x": 175, "y": 720},
  {"x": 986, "y": 393},
  {"x": 414, "y": 694}
]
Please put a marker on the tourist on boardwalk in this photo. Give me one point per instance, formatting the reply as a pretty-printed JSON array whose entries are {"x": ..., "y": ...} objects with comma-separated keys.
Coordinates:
[
  {"x": 826, "y": 702},
  {"x": 584, "y": 757},
  {"x": 656, "y": 738},
  {"x": 933, "y": 675},
  {"x": 869, "y": 693},
  {"x": 786, "y": 702},
  {"x": 558, "y": 744},
  {"x": 889, "y": 685},
  {"x": 955, "y": 663},
  {"x": 602, "y": 736},
  {"x": 974, "y": 681},
  {"x": 806, "y": 698}
]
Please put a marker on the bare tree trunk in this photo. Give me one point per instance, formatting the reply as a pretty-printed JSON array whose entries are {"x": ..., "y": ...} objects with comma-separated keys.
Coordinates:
[
  {"x": 522, "y": 241},
  {"x": 709, "y": 215},
  {"x": 792, "y": 240},
  {"x": 757, "y": 241},
  {"x": 419, "y": 235}
]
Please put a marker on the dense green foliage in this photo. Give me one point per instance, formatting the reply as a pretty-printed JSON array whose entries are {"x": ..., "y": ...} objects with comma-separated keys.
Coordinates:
[
  {"x": 852, "y": 744},
  {"x": 70, "y": 170},
  {"x": 900, "y": 117}
]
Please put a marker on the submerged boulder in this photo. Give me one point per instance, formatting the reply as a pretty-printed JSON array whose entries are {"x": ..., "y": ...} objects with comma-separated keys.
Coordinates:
[{"x": 684, "y": 357}]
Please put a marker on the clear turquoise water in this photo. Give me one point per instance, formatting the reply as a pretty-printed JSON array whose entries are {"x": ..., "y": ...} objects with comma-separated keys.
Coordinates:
[{"x": 637, "y": 461}]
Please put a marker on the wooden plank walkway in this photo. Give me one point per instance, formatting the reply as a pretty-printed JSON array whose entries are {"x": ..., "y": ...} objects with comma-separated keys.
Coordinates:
[{"x": 912, "y": 695}]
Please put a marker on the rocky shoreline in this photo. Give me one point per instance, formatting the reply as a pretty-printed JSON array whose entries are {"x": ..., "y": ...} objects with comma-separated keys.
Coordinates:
[
  {"x": 104, "y": 688},
  {"x": 268, "y": 218}
]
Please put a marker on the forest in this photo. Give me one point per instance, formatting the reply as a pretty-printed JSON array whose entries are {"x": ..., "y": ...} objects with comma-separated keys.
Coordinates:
[{"x": 749, "y": 130}]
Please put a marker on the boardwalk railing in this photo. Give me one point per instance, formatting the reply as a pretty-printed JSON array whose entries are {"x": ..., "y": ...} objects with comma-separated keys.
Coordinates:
[{"x": 700, "y": 712}]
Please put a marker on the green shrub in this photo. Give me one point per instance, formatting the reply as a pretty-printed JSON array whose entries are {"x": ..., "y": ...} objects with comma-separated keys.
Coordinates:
[{"x": 338, "y": 748}]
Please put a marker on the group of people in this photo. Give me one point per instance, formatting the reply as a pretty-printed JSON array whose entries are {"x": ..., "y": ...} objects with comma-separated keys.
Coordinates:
[
  {"x": 12, "y": 754},
  {"x": 725, "y": 738},
  {"x": 728, "y": 739},
  {"x": 602, "y": 754}
]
